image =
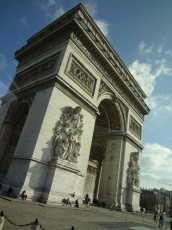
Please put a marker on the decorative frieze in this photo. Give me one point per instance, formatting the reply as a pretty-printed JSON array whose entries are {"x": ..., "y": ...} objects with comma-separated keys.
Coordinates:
[
  {"x": 81, "y": 76},
  {"x": 67, "y": 135},
  {"x": 45, "y": 67},
  {"x": 134, "y": 170},
  {"x": 135, "y": 127}
]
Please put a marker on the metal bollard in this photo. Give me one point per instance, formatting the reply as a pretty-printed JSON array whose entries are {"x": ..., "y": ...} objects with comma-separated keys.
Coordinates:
[
  {"x": 2, "y": 219},
  {"x": 35, "y": 225}
]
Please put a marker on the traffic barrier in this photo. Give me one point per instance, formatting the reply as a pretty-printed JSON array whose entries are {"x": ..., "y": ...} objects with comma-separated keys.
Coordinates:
[
  {"x": 33, "y": 225},
  {"x": 2, "y": 219}
]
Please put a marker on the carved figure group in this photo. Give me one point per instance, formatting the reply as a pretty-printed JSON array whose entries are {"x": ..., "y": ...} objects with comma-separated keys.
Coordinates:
[
  {"x": 66, "y": 142},
  {"x": 134, "y": 170}
]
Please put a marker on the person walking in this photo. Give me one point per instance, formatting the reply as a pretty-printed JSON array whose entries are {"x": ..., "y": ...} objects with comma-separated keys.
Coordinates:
[
  {"x": 171, "y": 225},
  {"x": 161, "y": 219},
  {"x": 87, "y": 200},
  {"x": 155, "y": 218},
  {"x": 77, "y": 203}
]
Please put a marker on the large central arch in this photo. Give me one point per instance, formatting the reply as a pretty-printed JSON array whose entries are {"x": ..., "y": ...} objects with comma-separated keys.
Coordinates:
[{"x": 108, "y": 122}]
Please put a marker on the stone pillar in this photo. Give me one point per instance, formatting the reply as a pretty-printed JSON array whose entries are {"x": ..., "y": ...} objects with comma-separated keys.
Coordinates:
[
  {"x": 110, "y": 172},
  {"x": 133, "y": 199},
  {"x": 30, "y": 159},
  {"x": 133, "y": 180},
  {"x": 4, "y": 137}
]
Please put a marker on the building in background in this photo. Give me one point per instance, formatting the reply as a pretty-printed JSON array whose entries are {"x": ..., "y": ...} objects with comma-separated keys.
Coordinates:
[{"x": 155, "y": 200}]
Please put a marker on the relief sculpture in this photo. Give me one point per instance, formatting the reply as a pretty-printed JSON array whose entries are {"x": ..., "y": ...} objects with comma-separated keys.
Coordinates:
[
  {"x": 67, "y": 135},
  {"x": 134, "y": 170},
  {"x": 81, "y": 76}
]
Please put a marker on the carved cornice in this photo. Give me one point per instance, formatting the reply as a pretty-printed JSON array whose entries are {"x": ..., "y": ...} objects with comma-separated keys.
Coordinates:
[
  {"x": 98, "y": 38},
  {"x": 42, "y": 47}
]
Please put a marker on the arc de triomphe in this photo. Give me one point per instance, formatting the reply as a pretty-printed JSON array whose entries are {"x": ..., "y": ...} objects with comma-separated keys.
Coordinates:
[{"x": 72, "y": 118}]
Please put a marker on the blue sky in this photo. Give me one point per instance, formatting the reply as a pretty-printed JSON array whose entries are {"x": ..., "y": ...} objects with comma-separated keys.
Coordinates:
[{"x": 140, "y": 31}]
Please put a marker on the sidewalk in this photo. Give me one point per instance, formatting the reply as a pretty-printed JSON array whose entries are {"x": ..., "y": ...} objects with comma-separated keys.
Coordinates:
[{"x": 53, "y": 217}]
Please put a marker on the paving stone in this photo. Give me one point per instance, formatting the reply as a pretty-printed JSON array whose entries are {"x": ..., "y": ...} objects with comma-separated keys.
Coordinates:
[{"x": 53, "y": 217}]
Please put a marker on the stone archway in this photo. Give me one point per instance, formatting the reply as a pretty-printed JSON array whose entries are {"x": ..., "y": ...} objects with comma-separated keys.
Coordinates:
[
  {"x": 10, "y": 135},
  {"x": 107, "y": 123},
  {"x": 93, "y": 176}
]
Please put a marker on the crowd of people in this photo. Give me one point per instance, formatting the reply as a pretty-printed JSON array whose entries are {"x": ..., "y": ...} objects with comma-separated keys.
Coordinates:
[
  {"x": 157, "y": 216},
  {"x": 67, "y": 201}
]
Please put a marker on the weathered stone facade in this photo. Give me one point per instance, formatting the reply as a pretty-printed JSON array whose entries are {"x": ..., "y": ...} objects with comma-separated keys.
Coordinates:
[{"x": 72, "y": 118}]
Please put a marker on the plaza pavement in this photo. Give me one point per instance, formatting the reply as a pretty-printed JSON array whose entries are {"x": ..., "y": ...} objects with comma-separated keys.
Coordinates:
[{"x": 53, "y": 217}]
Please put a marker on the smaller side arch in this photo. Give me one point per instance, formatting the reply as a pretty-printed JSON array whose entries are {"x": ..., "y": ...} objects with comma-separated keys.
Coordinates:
[
  {"x": 10, "y": 133},
  {"x": 16, "y": 108}
]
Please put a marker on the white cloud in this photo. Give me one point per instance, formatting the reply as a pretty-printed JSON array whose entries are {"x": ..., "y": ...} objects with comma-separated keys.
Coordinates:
[
  {"x": 3, "y": 62},
  {"x": 142, "y": 74},
  {"x": 160, "y": 105},
  {"x": 57, "y": 13},
  {"x": 156, "y": 158},
  {"x": 150, "y": 180},
  {"x": 160, "y": 49},
  {"x": 144, "y": 49},
  {"x": 147, "y": 73},
  {"x": 47, "y": 4},
  {"x": 52, "y": 9},
  {"x": 24, "y": 22},
  {"x": 169, "y": 52},
  {"x": 91, "y": 7},
  {"x": 141, "y": 46},
  {"x": 104, "y": 26}
]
